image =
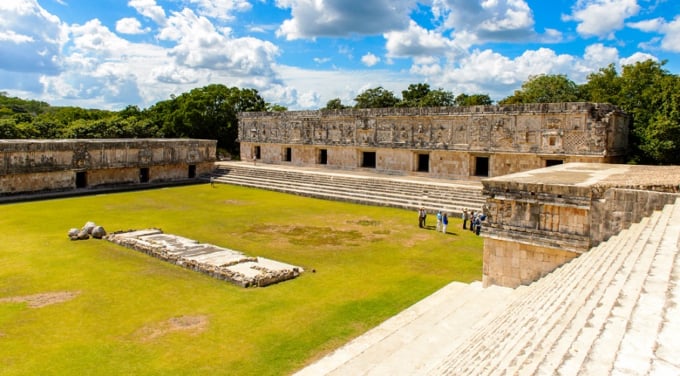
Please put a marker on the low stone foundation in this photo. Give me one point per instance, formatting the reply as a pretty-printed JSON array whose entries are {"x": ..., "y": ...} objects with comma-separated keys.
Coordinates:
[{"x": 218, "y": 262}]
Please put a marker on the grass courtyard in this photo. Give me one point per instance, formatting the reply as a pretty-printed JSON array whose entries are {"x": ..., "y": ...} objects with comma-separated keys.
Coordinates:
[{"x": 108, "y": 310}]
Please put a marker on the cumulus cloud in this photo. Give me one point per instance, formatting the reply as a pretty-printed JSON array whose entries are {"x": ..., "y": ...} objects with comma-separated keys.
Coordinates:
[
  {"x": 220, "y": 9},
  {"x": 316, "y": 18},
  {"x": 418, "y": 41},
  {"x": 637, "y": 58},
  {"x": 130, "y": 25},
  {"x": 31, "y": 39},
  {"x": 370, "y": 60},
  {"x": 149, "y": 9},
  {"x": 493, "y": 20},
  {"x": 199, "y": 44},
  {"x": 670, "y": 31},
  {"x": 601, "y": 18}
]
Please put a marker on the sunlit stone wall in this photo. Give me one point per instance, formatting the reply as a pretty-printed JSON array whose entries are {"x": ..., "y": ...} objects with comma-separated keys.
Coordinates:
[
  {"x": 450, "y": 142},
  {"x": 45, "y": 165}
]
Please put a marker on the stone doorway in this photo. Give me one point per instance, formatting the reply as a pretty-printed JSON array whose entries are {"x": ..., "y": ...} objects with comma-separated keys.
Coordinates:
[
  {"x": 423, "y": 163},
  {"x": 481, "y": 166},
  {"x": 81, "y": 179}
]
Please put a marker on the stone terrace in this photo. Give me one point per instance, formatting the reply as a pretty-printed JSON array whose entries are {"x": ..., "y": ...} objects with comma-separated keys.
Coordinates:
[
  {"x": 366, "y": 188},
  {"x": 613, "y": 310}
]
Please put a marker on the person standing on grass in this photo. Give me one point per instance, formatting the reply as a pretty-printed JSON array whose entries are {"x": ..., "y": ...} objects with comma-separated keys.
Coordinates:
[
  {"x": 439, "y": 220},
  {"x": 422, "y": 216},
  {"x": 212, "y": 181},
  {"x": 465, "y": 217},
  {"x": 445, "y": 222}
]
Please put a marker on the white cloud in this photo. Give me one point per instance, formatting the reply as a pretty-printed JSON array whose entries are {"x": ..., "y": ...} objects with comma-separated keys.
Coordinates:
[
  {"x": 370, "y": 60},
  {"x": 12, "y": 36},
  {"x": 417, "y": 41},
  {"x": 601, "y": 18},
  {"x": 598, "y": 55},
  {"x": 636, "y": 58},
  {"x": 31, "y": 39},
  {"x": 130, "y": 25},
  {"x": 149, "y": 9},
  {"x": 670, "y": 31},
  {"x": 220, "y": 9},
  {"x": 489, "y": 20},
  {"x": 200, "y": 45},
  {"x": 316, "y": 18}
]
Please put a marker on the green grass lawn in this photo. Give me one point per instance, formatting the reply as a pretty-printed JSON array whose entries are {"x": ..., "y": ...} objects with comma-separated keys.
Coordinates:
[{"x": 370, "y": 263}]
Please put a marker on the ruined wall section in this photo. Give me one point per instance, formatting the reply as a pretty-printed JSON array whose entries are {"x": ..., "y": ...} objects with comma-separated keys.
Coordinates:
[
  {"x": 508, "y": 138},
  {"x": 554, "y": 128},
  {"x": 43, "y": 165},
  {"x": 538, "y": 220}
]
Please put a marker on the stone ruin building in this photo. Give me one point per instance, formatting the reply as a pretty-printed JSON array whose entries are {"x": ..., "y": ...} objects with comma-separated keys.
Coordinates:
[
  {"x": 444, "y": 142},
  {"x": 541, "y": 219},
  {"x": 31, "y": 166}
]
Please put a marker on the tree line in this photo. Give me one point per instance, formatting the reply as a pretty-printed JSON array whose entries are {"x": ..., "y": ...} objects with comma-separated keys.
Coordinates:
[{"x": 645, "y": 90}]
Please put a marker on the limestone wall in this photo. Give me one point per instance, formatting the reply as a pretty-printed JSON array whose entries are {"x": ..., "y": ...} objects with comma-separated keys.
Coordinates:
[
  {"x": 538, "y": 220},
  {"x": 513, "y": 138},
  {"x": 43, "y": 165}
]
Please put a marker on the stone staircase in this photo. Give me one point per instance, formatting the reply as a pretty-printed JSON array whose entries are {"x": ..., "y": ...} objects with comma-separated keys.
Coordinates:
[
  {"x": 422, "y": 335},
  {"x": 613, "y": 310},
  {"x": 369, "y": 189},
  {"x": 608, "y": 311}
]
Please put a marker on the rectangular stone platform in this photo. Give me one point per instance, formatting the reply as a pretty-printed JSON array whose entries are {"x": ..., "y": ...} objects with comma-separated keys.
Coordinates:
[{"x": 219, "y": 262}]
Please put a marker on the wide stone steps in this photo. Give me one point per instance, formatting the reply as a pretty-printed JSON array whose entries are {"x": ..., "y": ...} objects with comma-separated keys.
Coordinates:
[
  {"x": 357, "y": 193},
  {"x": 606, "y": 312},
  {"x": 387, "y": 191},
  {"x": 439, "y": 191},
  {"x": 415, "y": 339}
]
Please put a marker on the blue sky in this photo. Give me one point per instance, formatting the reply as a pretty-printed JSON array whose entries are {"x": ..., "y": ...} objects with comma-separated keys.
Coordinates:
[{"x": 302, "y": 53}]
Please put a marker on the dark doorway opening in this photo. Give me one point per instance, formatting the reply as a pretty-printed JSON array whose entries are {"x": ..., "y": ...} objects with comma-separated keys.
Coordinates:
[
  {"x": 81, "y": 179},
  {"x": 144, "y": 175},
  {"x": 323, "y": 156},
  {"x": 423, "y": 163},
  {"x": 481, "y": 166},
  {"x": 368, "y": 159},
  {"x": 553, "y": 162},
  {"x": 288, "y": 155},
  {"x": 192, "y": 171},
  {"x": 256, "y": 152}
]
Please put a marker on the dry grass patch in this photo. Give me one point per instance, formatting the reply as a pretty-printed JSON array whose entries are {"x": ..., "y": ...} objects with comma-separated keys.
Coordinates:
[
  {"x": 190, "y": 324},
  {"x": 42, "y": 300}
]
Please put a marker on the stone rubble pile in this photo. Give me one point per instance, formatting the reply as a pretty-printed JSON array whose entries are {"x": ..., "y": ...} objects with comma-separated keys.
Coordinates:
[
  {"x": 218, "y": 262},
  {"x": 90, "y": 229}
]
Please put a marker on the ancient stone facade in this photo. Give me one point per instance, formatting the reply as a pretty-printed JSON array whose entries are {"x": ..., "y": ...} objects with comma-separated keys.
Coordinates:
[
  {"x": 28, "y": 166},
  {"x": 538, "y": 220},
  {"x": 448, "y": 142}
]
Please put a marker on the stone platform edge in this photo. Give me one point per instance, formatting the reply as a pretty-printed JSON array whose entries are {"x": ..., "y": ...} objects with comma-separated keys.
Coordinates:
[{"x": 218, "y": 262}]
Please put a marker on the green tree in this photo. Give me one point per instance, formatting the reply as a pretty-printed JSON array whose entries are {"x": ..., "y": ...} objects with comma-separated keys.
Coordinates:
[
  {"x": 276, "y": 108},
  {"x": 334, "y": 104},
  {"x": 376, "y": 98},
  {"x": 210, "y": 112},
  {"x": 553, "y": 88},
  {"x": 472, "y": 100},
  {"x": 651, "y": 95},
  {"x": 413, "y": 96},
  {"x": 421, "y": 95},
  {"x": 604, "y": 86}
]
